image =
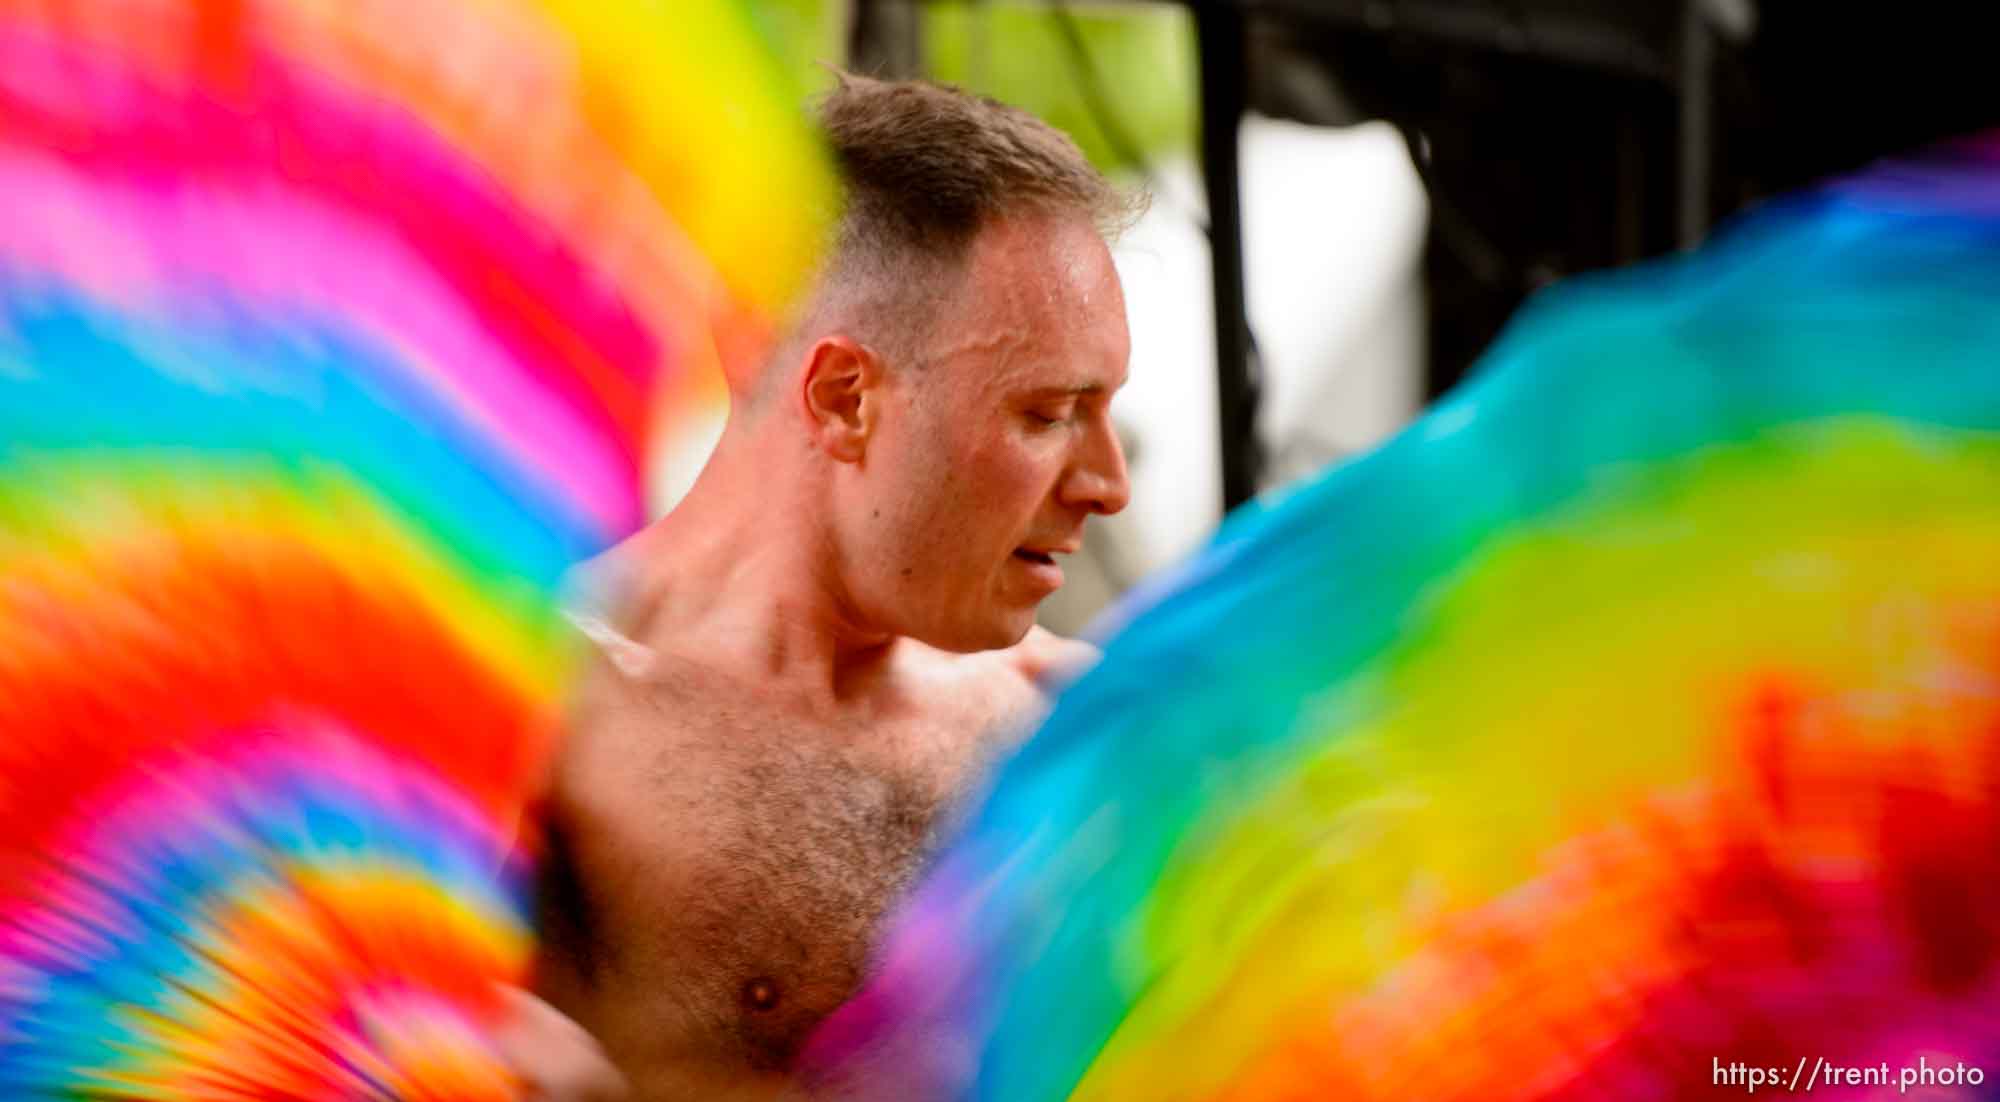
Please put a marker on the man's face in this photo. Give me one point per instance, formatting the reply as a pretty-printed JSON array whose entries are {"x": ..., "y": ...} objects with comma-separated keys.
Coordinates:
[{"x": 990, "y": 456}]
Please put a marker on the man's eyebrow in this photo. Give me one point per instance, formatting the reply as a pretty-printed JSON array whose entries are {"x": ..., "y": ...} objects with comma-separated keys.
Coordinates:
[{"x": 1075, "y": 390}]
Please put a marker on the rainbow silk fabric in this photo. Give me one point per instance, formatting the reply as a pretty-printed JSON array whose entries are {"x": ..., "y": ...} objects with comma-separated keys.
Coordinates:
[
  {"x": 1633, "y": 715},
  {"x": 331, "y": 333}
]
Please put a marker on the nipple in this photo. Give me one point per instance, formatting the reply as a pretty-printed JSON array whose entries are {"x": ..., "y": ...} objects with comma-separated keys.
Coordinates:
[{"x": 760, "y": 994}]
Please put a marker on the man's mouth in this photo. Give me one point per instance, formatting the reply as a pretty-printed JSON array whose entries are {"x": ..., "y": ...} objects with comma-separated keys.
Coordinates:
[{"x": 1042, "y": 566}]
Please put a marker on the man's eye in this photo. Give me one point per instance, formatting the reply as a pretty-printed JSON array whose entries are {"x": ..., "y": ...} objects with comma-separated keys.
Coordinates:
[{"x": 1047, "y": 418}]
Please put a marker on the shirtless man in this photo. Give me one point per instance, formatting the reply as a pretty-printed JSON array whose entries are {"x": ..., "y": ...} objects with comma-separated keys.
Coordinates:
[{"x": 804, "y": 664}]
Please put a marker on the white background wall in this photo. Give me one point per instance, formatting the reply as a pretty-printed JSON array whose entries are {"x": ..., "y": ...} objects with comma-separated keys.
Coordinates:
[{"x": 1333, "y": 224}]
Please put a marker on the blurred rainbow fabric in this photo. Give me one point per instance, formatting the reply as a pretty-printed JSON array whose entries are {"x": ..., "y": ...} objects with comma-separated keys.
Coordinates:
[
  {"x": 331, "y": 333},
  {"x": 1633, "y": 715}
]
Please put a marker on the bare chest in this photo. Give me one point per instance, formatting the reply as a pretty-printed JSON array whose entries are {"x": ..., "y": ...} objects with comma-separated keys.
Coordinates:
[
  {"x": 729, "y": 869},
  {"x": 790, "y": 858}
]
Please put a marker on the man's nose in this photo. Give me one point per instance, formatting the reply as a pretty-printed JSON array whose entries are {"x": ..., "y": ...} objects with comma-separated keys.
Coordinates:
[{"x": 1098, "y": 480}]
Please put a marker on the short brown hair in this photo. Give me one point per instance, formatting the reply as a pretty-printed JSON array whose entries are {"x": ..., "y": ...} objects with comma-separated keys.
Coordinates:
[
  {"x": 923, "y": 167},
  {"x": 926, "y": 165}
]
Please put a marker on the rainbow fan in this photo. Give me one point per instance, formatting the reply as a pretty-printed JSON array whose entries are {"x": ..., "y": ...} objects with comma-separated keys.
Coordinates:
[
  {"x": 1628, "y": 727},
  {"x": 331, "y": 334}
]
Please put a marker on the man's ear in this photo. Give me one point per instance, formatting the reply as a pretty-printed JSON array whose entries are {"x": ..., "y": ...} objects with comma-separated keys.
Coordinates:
[{"x": 840, "y": 395}]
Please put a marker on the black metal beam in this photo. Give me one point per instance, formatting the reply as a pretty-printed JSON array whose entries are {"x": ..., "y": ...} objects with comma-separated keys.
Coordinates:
[
  {"x": 1697, "y": 54},
  {"x": 1630, "y": 37},
  {"x": 883, "y": 39},
  {"x": 1219, "y": 31}
]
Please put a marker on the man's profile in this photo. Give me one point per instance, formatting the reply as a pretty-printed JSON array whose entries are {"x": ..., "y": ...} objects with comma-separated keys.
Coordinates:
[{"x": 815, "y": 654}]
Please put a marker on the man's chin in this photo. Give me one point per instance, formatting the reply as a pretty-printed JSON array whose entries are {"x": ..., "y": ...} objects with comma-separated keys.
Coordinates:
[{"x": 997, "y": 634}]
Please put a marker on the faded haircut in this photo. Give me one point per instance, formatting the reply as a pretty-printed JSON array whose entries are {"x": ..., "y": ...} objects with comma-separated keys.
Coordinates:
[{"x": 923, "y": 167}]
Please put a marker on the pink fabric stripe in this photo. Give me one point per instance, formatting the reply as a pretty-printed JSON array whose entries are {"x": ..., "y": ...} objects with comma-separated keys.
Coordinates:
[
  {"x": 121, "y": 242},
  {"x": 571, "y": 335}
]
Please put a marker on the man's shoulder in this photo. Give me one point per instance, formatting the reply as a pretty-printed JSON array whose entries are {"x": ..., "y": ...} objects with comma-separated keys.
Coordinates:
[
  {"x": 1010, "y": 688},
  {"x": 1049, "y": 660},
  {"x": 612, "y": 601}
]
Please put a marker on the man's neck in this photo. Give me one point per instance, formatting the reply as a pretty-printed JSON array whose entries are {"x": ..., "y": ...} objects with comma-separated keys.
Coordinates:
[{"x": 751, "y": 589}]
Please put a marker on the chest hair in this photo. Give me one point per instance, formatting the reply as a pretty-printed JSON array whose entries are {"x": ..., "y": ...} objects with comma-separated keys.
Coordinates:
[{"x": 790, "y": 845}]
